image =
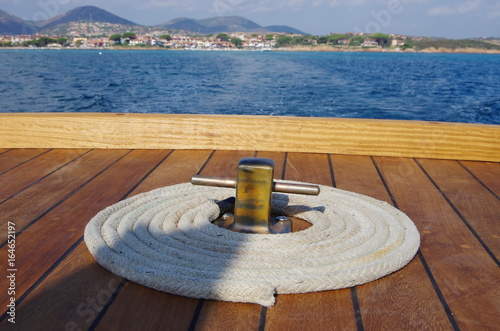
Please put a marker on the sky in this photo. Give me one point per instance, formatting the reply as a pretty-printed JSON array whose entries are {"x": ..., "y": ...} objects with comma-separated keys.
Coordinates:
[{"x": 433, "y": 18}]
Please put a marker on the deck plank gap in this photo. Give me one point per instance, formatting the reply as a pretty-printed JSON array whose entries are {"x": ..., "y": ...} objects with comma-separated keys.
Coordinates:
[
  {"x": 24, "y": 162},
  {"x": 480, "y": 181},
  {"x": 104, "y": 309},
  {"x": 464, "y": 220},
  {"x": 63, "y": 199},
  {"x": 41, "y": 178},
  {"x": 440, "y": 295},
  {"x": 44, "y": 276},
  {"x": 206, "y": 162},
  {"x": 357, "y": 309}
]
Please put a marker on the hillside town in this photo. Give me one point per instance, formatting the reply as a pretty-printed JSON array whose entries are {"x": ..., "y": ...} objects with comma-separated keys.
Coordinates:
[
  {"x": 90, "y": 27},
  {"x": 221, "y": 41}
]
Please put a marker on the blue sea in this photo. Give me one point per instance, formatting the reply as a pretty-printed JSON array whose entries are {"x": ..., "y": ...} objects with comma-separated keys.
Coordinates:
[{"x": 411, "y": 86}]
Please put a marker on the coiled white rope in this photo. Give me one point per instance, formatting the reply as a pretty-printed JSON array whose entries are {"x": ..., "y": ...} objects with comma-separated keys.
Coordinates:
[{"x": 164, "y": 239}]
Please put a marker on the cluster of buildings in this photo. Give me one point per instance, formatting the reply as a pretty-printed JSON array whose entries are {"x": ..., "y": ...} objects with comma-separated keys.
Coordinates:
[{"x": 248, "y": 41}]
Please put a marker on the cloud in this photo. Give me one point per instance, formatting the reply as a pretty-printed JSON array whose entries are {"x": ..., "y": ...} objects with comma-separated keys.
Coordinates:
[{"x": 463, "y": 8}]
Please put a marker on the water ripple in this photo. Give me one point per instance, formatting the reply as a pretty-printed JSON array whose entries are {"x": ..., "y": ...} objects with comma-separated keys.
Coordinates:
[{"x": 433, "y": 87}]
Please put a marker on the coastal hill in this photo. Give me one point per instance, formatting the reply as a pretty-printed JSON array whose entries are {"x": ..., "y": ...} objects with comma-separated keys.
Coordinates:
[
  {"x": 99, "y": 21},
  {"x": 85, "y": 14},
  {"x": 12, "y": 25},
  {"x": 225, "y": 24}
]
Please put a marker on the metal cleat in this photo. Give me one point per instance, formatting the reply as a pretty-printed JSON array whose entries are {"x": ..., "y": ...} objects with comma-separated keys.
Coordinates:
[{"x": 254, "y": 186}]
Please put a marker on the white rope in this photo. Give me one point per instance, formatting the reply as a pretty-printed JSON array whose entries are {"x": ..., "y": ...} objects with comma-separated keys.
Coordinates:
[{"x": 164, "y": 239}]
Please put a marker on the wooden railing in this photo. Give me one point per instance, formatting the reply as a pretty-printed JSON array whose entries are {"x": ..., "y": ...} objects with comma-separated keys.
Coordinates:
[{"x": 436, "y": 140}]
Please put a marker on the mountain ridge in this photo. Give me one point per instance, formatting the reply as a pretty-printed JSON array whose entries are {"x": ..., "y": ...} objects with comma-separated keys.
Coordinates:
[
  {"x": 220, "y": 24},
  {"x": 12, "y": 25},
  {"x": 85, "y": 14}
]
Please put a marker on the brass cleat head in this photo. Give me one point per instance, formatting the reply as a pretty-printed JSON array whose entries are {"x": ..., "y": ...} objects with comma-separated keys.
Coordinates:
[{"x": 254, "y": 186}]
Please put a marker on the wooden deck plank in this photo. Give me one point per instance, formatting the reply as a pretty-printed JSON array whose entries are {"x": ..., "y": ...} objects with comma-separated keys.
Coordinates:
[
  {"x": 278, "y": 158},
  {"x": 321, "y": 310},
  {"x": 69, "y": 298},
  {"x": 473, "y": 201},
  {"x": 487, "y": 172},
  {"x": 218, "y": 315},
  {"x": 164, "y": 311},
  {"x": 29, "y": 172},
  {"x": 141, "y": 308},
  {"x": 33, "y": 202},
  {"x": 177, "y": 168},
  {"x": 406, "y": 299},
  {"x": 311, "y": 168},
  {"x": 15, "y": 157},
  {"x": 73, "y": 289},
  {"x": 225, "y": 163},
  {"x": 52, "y": 235},
  {"x": 465, "y": 274}
]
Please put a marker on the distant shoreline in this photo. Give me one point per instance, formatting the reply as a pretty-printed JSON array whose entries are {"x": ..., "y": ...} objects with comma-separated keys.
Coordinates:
[
  {"x": 287, "y": 49},
  {"x": 386, "y": 50}
]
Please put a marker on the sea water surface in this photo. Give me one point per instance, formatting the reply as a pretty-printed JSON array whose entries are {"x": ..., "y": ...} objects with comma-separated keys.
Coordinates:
[{"x": 415, "y": 86}]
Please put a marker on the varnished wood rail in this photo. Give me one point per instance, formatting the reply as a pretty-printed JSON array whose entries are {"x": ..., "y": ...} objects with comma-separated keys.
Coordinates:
[{"x": 268, "y": 133}]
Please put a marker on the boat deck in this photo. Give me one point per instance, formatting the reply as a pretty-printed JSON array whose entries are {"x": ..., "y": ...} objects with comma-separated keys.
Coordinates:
[{"x": 47, "y": 197}]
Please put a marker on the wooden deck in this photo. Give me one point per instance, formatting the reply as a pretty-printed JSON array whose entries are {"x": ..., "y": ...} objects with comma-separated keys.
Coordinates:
[{"x": 49, "y": 195}]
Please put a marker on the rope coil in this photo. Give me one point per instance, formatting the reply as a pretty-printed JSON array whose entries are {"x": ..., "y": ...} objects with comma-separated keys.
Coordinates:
[{"x": 164, "y": 239}]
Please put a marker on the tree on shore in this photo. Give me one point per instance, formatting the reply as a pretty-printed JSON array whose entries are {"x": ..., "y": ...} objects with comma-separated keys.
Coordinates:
[
  {"x": 223, "y": 37},
  {"x": 356, "y": 40},
  {"x": 237, "y": 42},
  {"x": 40, "y": 42},
  {"x": 284, "y": 41},
  {"x": 129, "y": 35},
  {"x": 334, "y": 38},
  {"x": 166, "y": 37},
  {"x": 62, "y": 41},
  {"x": 126, "y": 37},
  {"x": 382, "y": 39},
  {"x": 322, "y": 40},
  {"x": 116, "y": 38}
]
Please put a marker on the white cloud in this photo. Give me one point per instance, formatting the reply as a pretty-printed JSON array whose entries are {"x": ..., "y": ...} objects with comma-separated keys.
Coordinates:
[{"x": 463, "y": 8}]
